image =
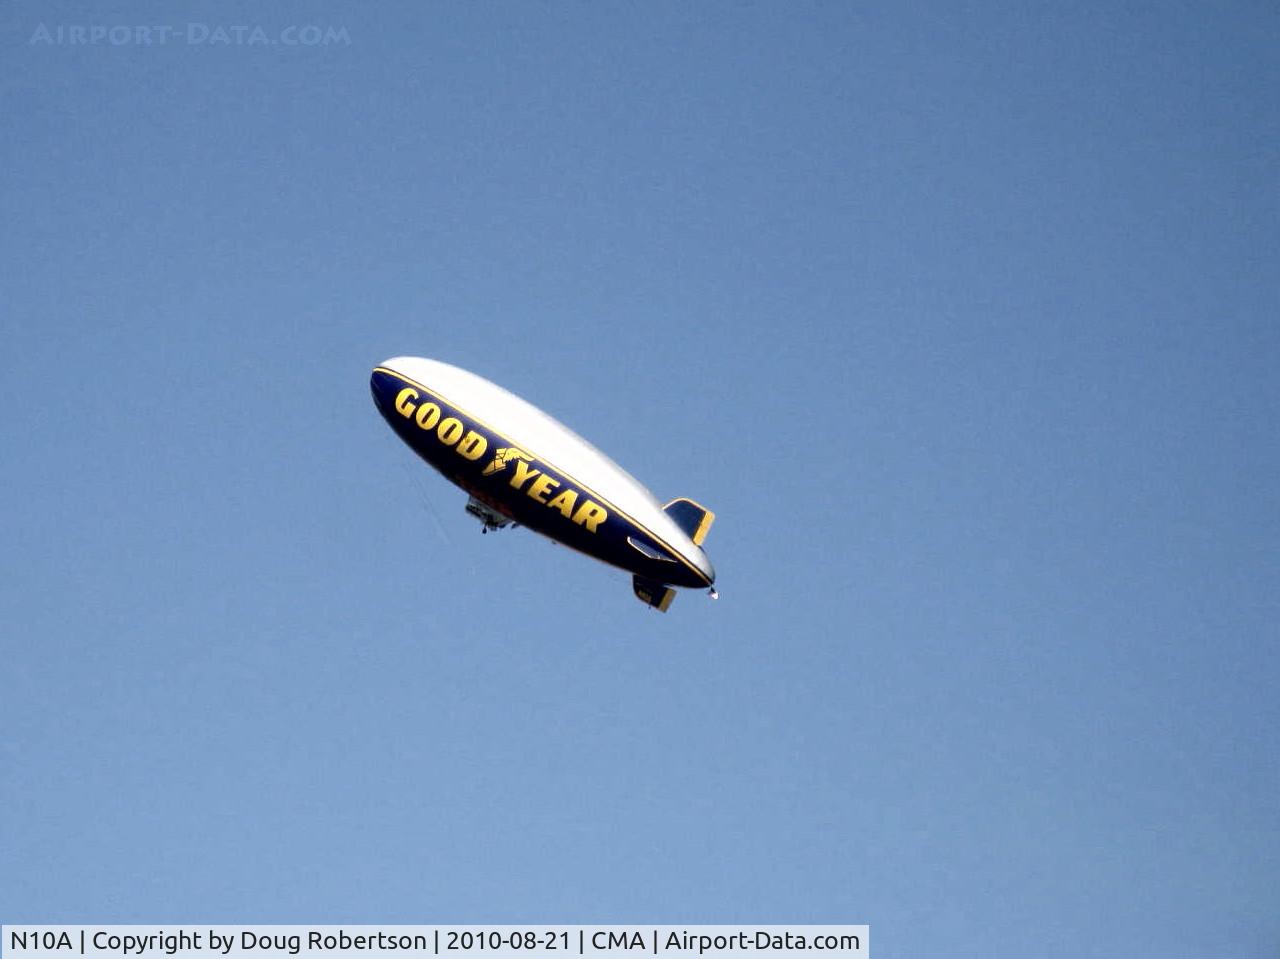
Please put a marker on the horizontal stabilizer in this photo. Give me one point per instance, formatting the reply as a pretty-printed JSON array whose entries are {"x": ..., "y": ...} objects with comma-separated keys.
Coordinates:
[
  {"x": 652, "y": 593},
  {"x": 691, "y": 517}
]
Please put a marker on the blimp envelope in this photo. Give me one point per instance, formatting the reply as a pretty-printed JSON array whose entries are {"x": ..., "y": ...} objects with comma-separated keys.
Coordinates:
[{"x": 519, "y": 465}]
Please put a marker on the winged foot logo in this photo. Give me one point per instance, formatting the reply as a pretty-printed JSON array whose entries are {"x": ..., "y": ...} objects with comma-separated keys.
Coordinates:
[{"x": 503, "y": 456}]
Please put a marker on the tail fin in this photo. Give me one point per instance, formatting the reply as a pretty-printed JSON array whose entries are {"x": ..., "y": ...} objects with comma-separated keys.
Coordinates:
[
  {"x": 691, "y": 517},
  {"x": 652, "y": 593}
]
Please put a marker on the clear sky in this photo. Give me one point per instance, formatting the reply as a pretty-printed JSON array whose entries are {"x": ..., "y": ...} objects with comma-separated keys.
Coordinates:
[{"x": 962, "y": 317}]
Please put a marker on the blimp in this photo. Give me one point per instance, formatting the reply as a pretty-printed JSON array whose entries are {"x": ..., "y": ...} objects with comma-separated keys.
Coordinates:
[{"x": 519, "y": 466}]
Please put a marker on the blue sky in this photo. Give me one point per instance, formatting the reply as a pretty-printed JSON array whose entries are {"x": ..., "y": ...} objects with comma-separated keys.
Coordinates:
[{"x": 962, "y": 318}]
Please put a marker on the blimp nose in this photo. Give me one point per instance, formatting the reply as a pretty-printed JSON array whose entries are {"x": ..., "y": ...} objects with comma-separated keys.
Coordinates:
[
  {"x": 380, "y": 386},
  {"x": 384, "y": 383}
]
